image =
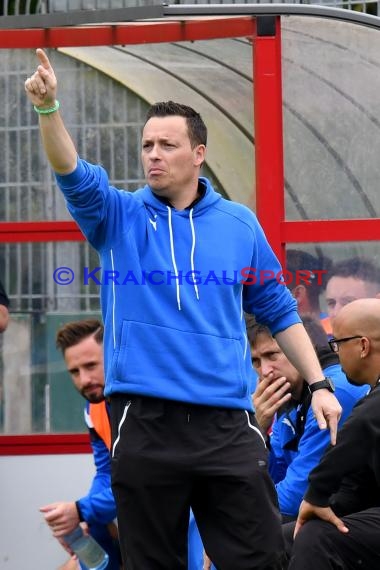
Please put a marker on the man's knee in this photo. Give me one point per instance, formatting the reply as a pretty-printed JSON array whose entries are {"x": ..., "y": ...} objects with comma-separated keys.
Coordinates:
[{"x": 287, "y": 533}]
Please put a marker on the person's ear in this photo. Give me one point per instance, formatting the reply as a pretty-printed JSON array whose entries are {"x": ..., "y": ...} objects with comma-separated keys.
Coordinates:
[
  {"x": 299, "y": 293},
  {"x": 199, "y": 154},
  {"x": 365, "y": 346}
]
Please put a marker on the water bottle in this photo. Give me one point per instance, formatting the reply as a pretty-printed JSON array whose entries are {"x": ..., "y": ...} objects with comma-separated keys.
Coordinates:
[{"x": 89, "y": 552}]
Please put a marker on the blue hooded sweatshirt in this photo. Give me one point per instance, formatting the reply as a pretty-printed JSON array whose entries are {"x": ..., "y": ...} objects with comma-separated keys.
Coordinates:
[{"x": 174, "y": 285}]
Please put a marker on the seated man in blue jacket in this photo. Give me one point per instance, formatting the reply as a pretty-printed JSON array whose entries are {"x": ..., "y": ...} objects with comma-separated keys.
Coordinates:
[
  {"x": 81, "y": 343},
  {"x": 282, "y": 405}
]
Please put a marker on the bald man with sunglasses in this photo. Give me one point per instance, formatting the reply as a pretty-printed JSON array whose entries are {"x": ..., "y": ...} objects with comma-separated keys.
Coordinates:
[{"x": 339, "y": 518}]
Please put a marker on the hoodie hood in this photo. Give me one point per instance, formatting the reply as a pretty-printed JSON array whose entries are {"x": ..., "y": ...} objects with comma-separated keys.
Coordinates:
[{"x": 154, "y": 203}]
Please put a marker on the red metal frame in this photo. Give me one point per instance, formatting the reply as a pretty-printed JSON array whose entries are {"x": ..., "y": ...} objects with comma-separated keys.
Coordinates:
[
  {"x": 268, "y": 155},
  {"x": 268, "y": 135},
  {"x": 129, "y": 33},
  {"x": 49, "y": 444},
  {"x": 366, "y": 229},
  {"x": 39, "y": 231}
]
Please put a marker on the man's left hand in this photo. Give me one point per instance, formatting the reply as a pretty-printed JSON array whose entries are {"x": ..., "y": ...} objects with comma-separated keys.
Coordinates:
[{"x": 308, "y": 511}]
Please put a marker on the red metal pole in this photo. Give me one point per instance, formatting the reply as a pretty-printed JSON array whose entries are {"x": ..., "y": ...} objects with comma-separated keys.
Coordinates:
[{"x": 268, "y": 129}]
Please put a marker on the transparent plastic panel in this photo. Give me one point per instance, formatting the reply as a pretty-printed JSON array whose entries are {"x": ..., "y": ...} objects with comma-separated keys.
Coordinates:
[
  {"x": 333, "y": 274},
  {"x": 331, "y": 105},
  {"x": 46, "y": 287}
]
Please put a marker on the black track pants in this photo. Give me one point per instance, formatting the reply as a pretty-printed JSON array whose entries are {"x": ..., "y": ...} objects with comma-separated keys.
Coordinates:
[
  {"x": 168, "y": 456},
  {"x": 320, "y": 546}
]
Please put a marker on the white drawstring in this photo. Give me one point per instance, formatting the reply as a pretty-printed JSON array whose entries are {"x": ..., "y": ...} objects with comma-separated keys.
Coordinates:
[
  {"x": 113, "y": 301},
  {"x": 173, "y": 256},
  {"x": 192, "y": 252},
  {"x": 191, "y": 255}
]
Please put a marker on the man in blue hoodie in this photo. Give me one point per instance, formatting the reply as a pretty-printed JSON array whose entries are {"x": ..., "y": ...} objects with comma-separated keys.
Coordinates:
[{"x": 180, "y": 265}]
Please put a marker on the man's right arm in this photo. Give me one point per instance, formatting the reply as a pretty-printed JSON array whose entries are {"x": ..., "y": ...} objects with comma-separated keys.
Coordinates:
[
  {"x": 99, "y": 504},
  {"x": 41, "y": 88},
  {"x": 357, "y": 446}
]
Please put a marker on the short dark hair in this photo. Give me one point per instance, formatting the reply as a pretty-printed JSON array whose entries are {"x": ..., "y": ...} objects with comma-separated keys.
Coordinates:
[
  {"x": 74, "y": 332},
  {"x": 313, "y": 328},
  {"x": 196, "y": 128},
  {"x": 315, "y": 332},
  {"x": 356, "y": 267},
  {"x": 254, "y": 329},
  {"x": 299, "y": 260}
]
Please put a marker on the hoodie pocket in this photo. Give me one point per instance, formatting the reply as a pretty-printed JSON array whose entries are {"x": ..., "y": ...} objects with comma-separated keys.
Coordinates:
[{"x": 179, "y": 364}]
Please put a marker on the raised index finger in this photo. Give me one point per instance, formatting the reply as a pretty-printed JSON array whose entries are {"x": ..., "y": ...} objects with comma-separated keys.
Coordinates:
[{"x": 43, "y": 58}]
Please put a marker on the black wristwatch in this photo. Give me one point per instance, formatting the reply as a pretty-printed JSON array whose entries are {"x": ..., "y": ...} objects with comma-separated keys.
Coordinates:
[{"x": 325, "y": 383}]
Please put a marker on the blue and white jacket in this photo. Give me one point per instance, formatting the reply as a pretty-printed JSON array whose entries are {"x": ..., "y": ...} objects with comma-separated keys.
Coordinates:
[
  {"x": 98, "y": 506},
  {"x": 297, "y": 443},
  {"x": 172, "y": 290}
]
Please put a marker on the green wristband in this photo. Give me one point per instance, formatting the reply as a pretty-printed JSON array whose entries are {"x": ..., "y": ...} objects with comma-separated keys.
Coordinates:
[{"x": 47, "y": 111}]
